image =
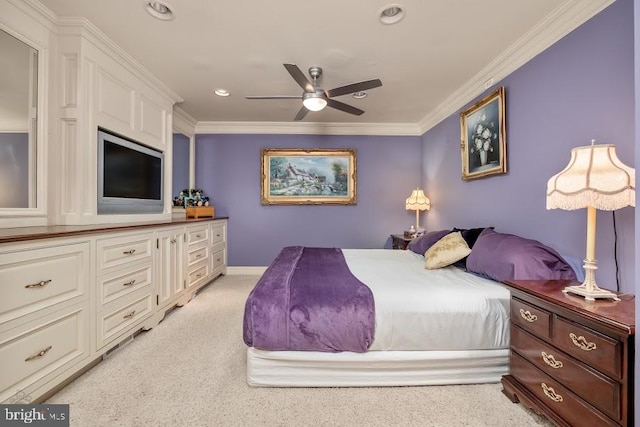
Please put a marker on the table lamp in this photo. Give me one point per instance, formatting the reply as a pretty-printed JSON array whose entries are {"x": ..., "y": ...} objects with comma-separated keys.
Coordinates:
[
  {"x": 417, "y": 201},
  {"x": 594, "y": 179}
]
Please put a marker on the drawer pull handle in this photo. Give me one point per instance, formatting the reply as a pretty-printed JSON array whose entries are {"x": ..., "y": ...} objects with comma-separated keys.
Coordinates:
[
  {"x": 526, "y": 315},
  {"x": 551, "y": 394},
  {"x": 38, "y": 355},
  {"x": 551, "y": 361},
  {"x": 198, "y": 236},
  {"x": 130, "y": 252},
  {"x": 199, "y": 256},
  {"x": 130, "y": 315},
  {"x": 130, "y": 283},
  {"x": 582, "y": 343},
  {"x": 40, "y": 284},
  {"x": 173, "y": 240},
  {"x": 199, "y": 275},
  {"x": 218, "y": 260}
]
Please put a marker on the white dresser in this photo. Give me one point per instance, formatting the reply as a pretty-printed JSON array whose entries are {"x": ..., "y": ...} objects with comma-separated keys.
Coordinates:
[{"x": 69, "y": 294}]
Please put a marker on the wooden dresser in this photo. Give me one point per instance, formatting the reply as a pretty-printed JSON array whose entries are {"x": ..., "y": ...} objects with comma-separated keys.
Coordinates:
[{"x": 571, "y": 360}]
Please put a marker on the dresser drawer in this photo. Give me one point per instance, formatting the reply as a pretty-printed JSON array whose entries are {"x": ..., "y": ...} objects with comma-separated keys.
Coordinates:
[
  {"x": 123, "y": 282},
  {"x": 122, "y": 250},
  {"x": 217, "y": 234},
  {"x": 198, "y": 234},
  {"x": 198, "y": 273},
  {"x": 113, "y": 322},
  {"x": 197, "y": 254},
  {"x": 38, "y": 278},
  {"x": 217, "y": 260},
  {"x": 531, "y": 318},
  {"x": 35, "y": 350},
  {"x": 570, "y": 407},
  {"x": 599, "y": 351},
  {"x": 592, "y": 386}
]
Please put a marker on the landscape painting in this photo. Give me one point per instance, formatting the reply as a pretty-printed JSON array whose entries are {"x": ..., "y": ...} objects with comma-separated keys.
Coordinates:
[{"x": 308, "y": 176}]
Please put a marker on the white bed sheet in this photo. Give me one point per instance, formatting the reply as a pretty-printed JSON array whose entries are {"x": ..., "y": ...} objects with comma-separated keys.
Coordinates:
[{"x": 418, "y": 309}]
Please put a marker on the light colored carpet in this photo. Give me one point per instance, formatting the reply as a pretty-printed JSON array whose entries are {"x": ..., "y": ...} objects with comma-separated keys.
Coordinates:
[{"x": 190, "y": 371}]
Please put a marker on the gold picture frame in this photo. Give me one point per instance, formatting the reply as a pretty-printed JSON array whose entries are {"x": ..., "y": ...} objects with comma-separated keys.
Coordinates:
[
  {"x": 308, "y": 176},
  {"x": 483, "y": 137}
]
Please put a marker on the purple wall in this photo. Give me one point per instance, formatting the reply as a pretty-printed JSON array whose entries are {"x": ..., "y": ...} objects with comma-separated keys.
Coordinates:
[
  {"x": 180, "y": 179},
  {"x": 577, "y": 90},
  {"x": 228, "y": 170}
]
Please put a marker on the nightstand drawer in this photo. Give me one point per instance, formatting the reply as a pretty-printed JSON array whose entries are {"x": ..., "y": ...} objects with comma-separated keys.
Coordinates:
[
  {"x": 531, "y": 318},
  {"x": 563, "y": 402},
  {"x": 596, "y": 350},
  {"x": 597, "y": 389}
]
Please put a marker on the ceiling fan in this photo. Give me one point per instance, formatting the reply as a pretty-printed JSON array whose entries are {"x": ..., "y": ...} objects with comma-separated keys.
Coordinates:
[{"x": 314, "y": 98}]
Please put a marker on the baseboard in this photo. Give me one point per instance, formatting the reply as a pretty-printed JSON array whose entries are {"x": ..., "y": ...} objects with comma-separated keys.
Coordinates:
[{"x": 258, "y": 271}]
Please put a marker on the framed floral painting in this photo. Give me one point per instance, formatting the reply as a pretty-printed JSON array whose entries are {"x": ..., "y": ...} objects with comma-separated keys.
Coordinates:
[
  {"x": 483, "y": 137},
  {"x": 308, "y": 176}
]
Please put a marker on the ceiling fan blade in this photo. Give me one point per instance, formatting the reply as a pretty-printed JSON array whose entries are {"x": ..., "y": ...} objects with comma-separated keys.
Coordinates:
[
  {"x": 301, "y": 114},
  {"x": 344, "y": 107},
  {"x": 299, "y": 77},
  {"x": 354, "y": 87},
  {"x": 274, "y": 97}
]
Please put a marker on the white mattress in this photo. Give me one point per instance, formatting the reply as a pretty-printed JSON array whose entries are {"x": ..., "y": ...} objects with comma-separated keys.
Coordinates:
[{"x": 418, "y": 309}]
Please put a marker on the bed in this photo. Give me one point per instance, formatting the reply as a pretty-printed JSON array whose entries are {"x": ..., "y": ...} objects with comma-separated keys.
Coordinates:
[{"x": 328, "y": 317}]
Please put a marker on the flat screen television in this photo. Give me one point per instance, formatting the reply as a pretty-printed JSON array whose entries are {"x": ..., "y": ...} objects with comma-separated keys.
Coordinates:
[{"x": 130, "y": 176}]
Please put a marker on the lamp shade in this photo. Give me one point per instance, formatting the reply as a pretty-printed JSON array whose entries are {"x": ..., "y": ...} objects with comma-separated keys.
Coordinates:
[
  {"x": 594, "y": 177},
  {"x": 417, "y": 201}
]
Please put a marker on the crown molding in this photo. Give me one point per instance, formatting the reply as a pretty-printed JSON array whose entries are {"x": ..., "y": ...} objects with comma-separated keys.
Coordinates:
[
  {"x": 183, "y": 122},
  {"x": 309, "y": 128},
  {"x": 36, "y": 11},
  {"x": 564, "y": 19}
]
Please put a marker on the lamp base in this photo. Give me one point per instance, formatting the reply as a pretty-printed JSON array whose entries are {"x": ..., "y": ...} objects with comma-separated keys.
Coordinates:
[{"x": 589, "y": 289}]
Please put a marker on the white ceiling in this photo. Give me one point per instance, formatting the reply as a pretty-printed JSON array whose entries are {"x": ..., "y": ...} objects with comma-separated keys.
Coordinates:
[{"x": 439, "y": 57}]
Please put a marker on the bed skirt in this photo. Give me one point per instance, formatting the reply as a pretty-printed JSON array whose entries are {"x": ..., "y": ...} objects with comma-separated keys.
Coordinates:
[{"x": 374, "y": 368}]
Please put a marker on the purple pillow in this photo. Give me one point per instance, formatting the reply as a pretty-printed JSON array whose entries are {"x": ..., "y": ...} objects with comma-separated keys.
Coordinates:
[
  {"x": 506, "y": 256},
  {"x": 420, "y": 244}
]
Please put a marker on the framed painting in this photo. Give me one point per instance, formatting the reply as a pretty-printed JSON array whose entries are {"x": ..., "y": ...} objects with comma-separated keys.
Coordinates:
[
  {"x": 483, "y": 137},
  {"x": 308, "y": 176}
]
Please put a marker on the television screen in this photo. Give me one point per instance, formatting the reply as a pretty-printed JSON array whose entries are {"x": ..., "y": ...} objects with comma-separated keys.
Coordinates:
[{"x": 131, "y": 174}]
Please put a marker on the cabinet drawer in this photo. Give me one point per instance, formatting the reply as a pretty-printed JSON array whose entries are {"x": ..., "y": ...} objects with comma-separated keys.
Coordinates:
[
  {"x": 40, "y": 348},
  {"x": 217, "y": 234},
  {"x": 217, "y": 260},
  {"x": 34, "y": 279},
  {"x": 198, "y": 273},
  {"x": 120, "y": 283},
  {"x": 531, "y": 318},
  {"x": 593, "y": 348},
  {"x": 197, "y": 234},
  {"x": 122, "y": 250},
  {"x": 112, "y": 323},
  {"x": 197, "y": 254},
  {"x": 570, "y": 407},
  {"x": 592, "y": 386}
]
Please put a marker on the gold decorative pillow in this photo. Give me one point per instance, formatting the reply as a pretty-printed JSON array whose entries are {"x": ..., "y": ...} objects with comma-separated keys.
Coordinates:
[{"x": 446, "y": 251}]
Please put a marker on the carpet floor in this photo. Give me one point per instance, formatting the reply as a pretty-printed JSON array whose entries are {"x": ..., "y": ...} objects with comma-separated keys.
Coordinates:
[{"x": 190, "y": 371}]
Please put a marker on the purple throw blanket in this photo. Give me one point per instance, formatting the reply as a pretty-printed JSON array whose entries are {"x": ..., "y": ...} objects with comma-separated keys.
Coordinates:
[{"x": 309, "y": 300}]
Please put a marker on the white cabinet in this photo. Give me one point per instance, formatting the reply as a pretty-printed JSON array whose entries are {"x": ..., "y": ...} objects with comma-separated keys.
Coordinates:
[
  {"x": 218, "y": 247},
  {"x": 44, "y": 315},
  {"x": 171, "y": 281}
]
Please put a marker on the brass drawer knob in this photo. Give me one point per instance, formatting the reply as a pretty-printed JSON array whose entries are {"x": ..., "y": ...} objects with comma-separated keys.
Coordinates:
[
  {"x": 526, "y": 315},
  {"x": 38, "y": 355},
  {"x": 551, "y": 394},
  {"x": 40, "y": 284},
  {"x": 551, "y": 361},
  {"x": 130, "y": 252},
  {"x": 582, "y": 343},
  {"x": 129, "y": 283},
  {"x": 130, "y": 315}
]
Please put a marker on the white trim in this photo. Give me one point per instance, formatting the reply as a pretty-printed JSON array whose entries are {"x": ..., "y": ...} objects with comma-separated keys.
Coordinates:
[
  {"x": 564, "y": 19},
  {"x": 309, "y": 128},
  {"x": 183, "y": 122},
  {"x": 254, "y": 271}
]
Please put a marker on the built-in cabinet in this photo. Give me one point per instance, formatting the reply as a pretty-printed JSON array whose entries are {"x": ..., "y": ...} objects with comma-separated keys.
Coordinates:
[{"x": 67, "y": 300}]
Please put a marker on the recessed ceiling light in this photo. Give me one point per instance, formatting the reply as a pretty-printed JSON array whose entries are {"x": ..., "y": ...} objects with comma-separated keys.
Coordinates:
[
  {"x": 360, "y": 95},
  {"x": 221, "y": 92},
  {"x": 159, "y": 10},
  {"x": 391, "y": 14}
]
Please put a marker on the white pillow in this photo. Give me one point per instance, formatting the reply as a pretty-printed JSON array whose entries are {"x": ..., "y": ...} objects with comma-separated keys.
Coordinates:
[{"x": 446, "y": 251}]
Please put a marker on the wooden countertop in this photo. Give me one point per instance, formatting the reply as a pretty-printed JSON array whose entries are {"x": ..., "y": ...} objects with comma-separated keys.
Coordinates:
[{"x": 21, "y": 234}]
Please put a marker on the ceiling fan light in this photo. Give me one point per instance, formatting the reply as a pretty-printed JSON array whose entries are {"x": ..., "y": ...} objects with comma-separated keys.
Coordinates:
[{"x": 313, "y": 103}]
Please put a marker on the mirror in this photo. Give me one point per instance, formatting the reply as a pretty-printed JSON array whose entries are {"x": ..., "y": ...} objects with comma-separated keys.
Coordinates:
[
  {"x": 181, "y": 163},
  {"x": 18, "y": 118}
]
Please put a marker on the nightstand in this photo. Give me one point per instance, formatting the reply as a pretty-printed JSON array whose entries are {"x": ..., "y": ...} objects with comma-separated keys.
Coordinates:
[
  {"x": 398, "y": 241},
  {"x": 571, "y": 360}
]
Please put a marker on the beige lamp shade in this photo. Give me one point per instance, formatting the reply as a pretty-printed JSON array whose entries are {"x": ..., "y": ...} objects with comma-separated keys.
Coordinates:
[
  {"x": 594, "y": 179},
  {"x": 417, "y": 201}
]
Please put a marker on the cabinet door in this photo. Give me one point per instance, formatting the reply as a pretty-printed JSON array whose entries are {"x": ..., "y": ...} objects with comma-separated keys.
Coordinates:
[{"x": 171, "y": 265}]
